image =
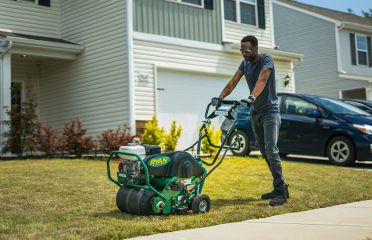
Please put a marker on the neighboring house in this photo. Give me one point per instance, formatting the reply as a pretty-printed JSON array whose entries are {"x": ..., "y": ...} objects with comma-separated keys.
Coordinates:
[
  {"x": 115, "y": 62},
  {"x": 336, "y": 47}
]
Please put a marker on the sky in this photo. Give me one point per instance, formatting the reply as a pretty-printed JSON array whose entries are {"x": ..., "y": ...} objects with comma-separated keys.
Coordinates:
[{"x": 342, "y": 5}]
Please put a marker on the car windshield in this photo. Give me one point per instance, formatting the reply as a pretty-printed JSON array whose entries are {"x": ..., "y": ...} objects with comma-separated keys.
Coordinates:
[{"x": 340, "y": 107}]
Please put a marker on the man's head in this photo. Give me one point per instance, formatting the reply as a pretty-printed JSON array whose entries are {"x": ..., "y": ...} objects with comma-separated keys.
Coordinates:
[{"x": 249, "y": 47}]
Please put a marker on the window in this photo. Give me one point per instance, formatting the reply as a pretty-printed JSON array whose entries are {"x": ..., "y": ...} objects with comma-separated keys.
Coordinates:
[
  {"x": 45, "y": 3},
  {"x": 298, "y": 106},
  {"x": 198, "y": 3},
  {"x": 250, "y": 12},
  {"x": 16, "y": 99},
  {"x": 362, "y": 50},
  {"x": 246, "y": 9}
]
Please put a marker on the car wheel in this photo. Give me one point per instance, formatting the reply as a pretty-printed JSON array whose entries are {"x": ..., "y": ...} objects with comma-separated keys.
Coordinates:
[
  {"x": 341, "y": 151},
  {"x": 243, "y": 148}
]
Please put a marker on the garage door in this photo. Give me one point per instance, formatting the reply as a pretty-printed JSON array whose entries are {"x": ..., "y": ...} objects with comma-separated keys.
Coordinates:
[{"x": 184, "y": 96}]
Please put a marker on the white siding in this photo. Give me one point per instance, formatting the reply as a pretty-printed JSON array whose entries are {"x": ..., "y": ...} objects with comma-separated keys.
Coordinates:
[
  {"x": 346, "y": 57},
  {"x": 148, "y": 56},
  {"x": 28, "y": 18},
  {"x": 234, "y": 31},
  {"x": 94, "y": 87}
]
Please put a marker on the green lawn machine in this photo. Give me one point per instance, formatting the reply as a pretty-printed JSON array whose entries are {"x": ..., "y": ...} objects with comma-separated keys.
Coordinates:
[{"x": 152, "y": 182}]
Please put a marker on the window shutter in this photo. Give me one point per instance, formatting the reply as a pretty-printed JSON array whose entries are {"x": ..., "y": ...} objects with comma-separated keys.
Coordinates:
[
  {"x": 369, "y": 51},
  {"x": 208, "y": 4},
  {"x": 44, "y": 3},
  {"x": 261, "y": 13},
  {"x": 352, "y": 48}
]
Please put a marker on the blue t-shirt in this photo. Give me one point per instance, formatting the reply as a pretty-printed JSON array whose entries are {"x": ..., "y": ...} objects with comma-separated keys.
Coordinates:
[{"x": 267, "y": 101}]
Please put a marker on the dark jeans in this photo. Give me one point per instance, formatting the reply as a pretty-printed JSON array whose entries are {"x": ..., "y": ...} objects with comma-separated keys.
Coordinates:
[{"x": 266, "y": 130}]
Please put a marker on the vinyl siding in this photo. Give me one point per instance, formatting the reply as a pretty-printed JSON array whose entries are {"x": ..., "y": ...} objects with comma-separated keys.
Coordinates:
[
  {"x": 94, "y": 87},
  {"x": 178, "y": 20},
  {"x": 316, "y": 39},
  {"x": 150, "y": 56},
  {"x": 30, "y": 18},
  {"x": 234, "y": 31},
  {"x": 346, "y": 57}
]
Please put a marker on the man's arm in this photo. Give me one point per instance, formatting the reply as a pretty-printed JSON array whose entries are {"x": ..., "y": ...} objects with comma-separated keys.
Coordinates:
[
  {"x": 231, "y": 84},
  {"x": 261, "y": 82}
]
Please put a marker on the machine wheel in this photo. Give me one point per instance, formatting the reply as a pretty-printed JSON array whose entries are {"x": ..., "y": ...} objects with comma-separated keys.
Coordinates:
[
  {"x": 341, "y": 151},
  {"x": 244, "y": 148},
  {"x": 201, "y": 204},
  {"x": 135, "y": 201}
]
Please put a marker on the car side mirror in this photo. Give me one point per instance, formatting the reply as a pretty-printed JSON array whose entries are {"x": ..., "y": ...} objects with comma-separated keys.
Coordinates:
[{"x": 314, "y": 114}]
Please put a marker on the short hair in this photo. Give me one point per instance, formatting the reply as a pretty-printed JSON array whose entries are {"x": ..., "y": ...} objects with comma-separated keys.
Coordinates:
[{"x": 252, "y": 39}]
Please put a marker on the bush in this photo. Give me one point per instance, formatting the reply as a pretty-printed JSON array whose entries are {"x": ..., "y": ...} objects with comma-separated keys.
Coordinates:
[
  {"x": 171, "y": 139},
  {"x": 112, "y": 139},
  {"x": 153, "y": 134},
  {"x": 74, "y": 139},
  {"x": 214, "y": 137},
  {"x": 47, "y": 139},
  {"x": 22, "y": 128}
]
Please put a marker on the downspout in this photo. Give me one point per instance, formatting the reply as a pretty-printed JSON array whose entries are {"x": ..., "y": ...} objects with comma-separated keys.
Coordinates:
[{"x": 132, "y": 121}]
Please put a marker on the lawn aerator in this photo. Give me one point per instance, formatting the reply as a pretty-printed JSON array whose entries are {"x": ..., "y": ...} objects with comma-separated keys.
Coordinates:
[{"x": 152, "y": 182}]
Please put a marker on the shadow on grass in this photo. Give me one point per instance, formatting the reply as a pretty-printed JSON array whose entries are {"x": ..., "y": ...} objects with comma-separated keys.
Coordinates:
[
  {"x": 216, "y": 204},
  {"x": 221, "y": 203}
]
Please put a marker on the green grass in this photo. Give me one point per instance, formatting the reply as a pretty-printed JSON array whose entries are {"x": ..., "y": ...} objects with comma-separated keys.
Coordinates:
[{"x": 73, "y": 199}]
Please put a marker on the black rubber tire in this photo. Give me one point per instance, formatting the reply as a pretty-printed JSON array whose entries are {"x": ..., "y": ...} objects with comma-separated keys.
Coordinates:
[
  {"x": 201, "y": 204},
  {"x": 135, "y": 201},
  {"x": 340, "y": 151},
  {"x": 245, "y": 144},
  {"x": 121, "y": 199}
]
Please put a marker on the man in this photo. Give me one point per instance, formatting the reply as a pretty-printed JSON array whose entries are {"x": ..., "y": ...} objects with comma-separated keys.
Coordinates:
[{"x": 259, "y": 71}]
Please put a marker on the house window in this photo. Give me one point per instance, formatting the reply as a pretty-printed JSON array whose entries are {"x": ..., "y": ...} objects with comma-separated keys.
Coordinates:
[
  {"x": 361, "y": 49},
  {"x": 246, "y": 10},
  {"x": 45, "y": 3},
  {"x": 197, "y": 3},
  {"x": 16, "y": 99},
  {"x": 250, "y": 12}
]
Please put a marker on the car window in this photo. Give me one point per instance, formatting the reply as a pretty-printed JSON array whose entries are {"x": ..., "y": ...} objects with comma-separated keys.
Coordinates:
[
  {"x": 298, "y": 106},
  {"x": 340, "y": 107}
]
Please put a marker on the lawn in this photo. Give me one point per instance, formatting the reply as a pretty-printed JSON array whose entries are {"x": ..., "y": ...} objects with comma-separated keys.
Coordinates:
[{"x": 73, "y": 199}]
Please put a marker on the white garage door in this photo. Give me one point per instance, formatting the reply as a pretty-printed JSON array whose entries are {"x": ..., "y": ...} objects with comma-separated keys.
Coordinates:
[{"x": 184, "y": 96}]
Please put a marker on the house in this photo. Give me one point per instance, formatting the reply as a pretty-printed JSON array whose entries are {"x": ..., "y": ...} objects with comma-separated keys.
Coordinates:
[
  {"x": 115, "y": 62},
  {"x": 336, "y": 47}
]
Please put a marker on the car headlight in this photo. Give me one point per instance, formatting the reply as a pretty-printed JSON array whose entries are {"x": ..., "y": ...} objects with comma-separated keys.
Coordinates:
[{"x": 364, "y": 128}]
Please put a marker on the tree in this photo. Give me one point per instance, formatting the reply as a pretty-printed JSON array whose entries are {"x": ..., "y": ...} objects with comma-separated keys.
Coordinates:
[{"x": 367, "y": 14}]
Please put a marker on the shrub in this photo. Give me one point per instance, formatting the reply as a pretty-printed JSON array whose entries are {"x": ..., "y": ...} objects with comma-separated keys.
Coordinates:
[
  {"x": 214, "y": 137},
  {"x": 112, "y": 139},
  {"x": 22, "y": 128},
  {"x": 171, "y": 139},
  {"x": 153, "y": 134},
  {"x": 47, "y": 139},
  {"x": 76, "y": 142}
]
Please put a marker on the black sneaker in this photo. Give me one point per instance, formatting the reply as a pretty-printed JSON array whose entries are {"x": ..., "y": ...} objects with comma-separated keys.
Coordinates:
[
  {"x": 279, "y": 199},
  {"x": 272, "y": 194}
]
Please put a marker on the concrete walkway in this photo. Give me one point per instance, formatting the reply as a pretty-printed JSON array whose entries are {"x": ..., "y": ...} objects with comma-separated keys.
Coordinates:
[{"x": 348, "y": 221}]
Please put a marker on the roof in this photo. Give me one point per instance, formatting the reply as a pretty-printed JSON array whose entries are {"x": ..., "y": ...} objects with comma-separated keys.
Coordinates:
[
  {"x": 33, "y": 37},
  {"x": 337, "y": 15}
]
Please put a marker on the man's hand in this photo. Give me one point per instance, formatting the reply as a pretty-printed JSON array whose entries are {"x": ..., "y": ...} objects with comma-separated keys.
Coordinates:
[
  {"x": 215, "y": 101},
  {"x": 248, "y": 102}
]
